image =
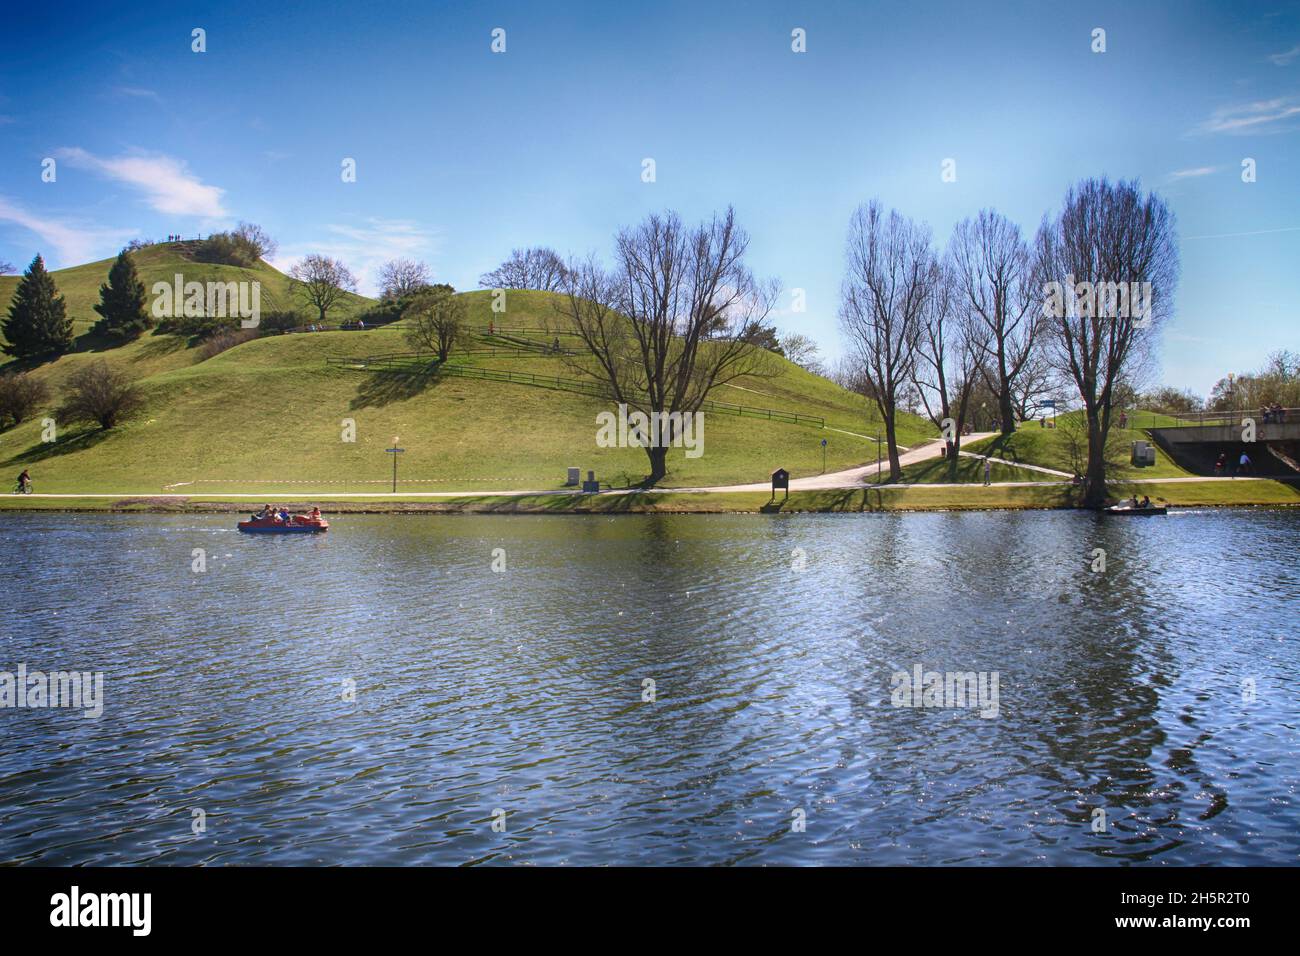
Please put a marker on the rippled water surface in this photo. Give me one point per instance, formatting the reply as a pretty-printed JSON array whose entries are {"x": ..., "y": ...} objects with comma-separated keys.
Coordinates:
[{"x": 522, "y": 691}]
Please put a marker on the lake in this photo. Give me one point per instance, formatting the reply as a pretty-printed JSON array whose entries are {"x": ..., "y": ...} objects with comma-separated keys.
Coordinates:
[{"x": 656, "y": 689}]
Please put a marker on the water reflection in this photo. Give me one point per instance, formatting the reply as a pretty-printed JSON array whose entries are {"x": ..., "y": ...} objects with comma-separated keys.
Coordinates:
[{"x": 373, "y": 696}]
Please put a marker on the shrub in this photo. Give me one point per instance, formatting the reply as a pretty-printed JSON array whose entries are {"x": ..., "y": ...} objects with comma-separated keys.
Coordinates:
[
  {"x": 223, "y": 340},
  {"x": 20, "y": 394},
  {"x": 282, "y": 320},
  {"x": 243, "y": 246},
  {"x": 198, "y": 327},
  {"x": 100, "y": 394}
]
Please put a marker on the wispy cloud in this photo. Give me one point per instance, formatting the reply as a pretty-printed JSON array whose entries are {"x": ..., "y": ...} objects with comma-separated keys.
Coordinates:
[
  {"x": 73, "y": 242},
  {"x": 1283, "y": 59},
  {"x": 1237, "y": 235},
  {"x": 1194, "y": 172},
  {"x": 1261, "y": 116},
  {"x": 365, "y": 248},
  {"x": 168, "y": 187},
  {"x": 138, "y": 92}
]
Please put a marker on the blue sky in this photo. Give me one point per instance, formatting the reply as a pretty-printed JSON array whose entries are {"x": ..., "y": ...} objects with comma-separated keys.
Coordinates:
[{"x": 462, "y": 153}]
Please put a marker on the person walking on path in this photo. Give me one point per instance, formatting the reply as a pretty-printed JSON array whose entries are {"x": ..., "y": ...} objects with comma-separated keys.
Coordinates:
[{"x": 988, "y": 471}]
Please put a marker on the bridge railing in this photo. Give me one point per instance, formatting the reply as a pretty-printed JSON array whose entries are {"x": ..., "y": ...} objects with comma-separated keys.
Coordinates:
[{"x": 1143, "y": 420}]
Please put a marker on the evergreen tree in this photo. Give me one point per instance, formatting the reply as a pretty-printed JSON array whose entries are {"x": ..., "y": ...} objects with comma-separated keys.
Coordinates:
[
  {"x": 122, "y": 303},
  {"x": 38, "y": 324}
]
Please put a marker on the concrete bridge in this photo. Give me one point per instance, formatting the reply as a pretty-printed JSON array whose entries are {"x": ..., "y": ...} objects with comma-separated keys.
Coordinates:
[{"x": 1196, "y": 440}]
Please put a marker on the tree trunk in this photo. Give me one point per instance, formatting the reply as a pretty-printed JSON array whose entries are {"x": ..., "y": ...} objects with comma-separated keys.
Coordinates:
[
  {"x": 658, "y": 464},
  {"x": 895, "y": 467},
  {"x": 1094, "y": 482},
  {"x": 1006, "y": 410}
]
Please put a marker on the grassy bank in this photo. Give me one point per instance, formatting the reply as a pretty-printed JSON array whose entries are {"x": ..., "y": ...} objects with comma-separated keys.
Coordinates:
[{"x": 882, "y": 498}]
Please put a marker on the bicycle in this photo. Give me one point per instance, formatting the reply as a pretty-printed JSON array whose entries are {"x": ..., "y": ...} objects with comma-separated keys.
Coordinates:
[{"x": 23, "y": 489}]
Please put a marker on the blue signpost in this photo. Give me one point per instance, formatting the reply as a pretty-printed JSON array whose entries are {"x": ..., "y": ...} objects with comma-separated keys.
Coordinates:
[
  {"x": 394, "y": 451},
  {"x": 1051, "y": 403}
]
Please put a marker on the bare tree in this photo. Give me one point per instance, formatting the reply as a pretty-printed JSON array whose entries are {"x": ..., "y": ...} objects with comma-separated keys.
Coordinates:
[
  {"x": 101, "y": 394},
  {"x": 1039, "y": 379},
  {"x": 538, "y": 268},
  {"x": 322, "y": 282},
  {"x": 7, "y": 268},
  {"x": 1109, "y": 265},
  {"x": 402, "y": 277},
  {"x": 646, "y": 323},
  {"x": 803, "y": 351},
  {"x": 950, "y": 346},
  {"x": 995, "y": 271},
  {"x": 436, "y": 321},
  {"x": 256, "y": 239},
  {"x": 889, "y": 271}
]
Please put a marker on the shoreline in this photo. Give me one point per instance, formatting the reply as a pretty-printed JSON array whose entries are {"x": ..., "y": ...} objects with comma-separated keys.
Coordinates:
[{"x": 863, "y": 499}]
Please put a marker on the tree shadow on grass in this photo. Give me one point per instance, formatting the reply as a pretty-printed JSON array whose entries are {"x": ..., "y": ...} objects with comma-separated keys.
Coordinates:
[
  {"x": 385, "y": 387},
  {"x": 159, "y": 345},
  {"x": 66, "y": 445}
]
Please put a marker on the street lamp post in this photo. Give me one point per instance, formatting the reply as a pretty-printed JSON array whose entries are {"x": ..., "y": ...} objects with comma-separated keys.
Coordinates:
[{"x": 394, "y": 451}]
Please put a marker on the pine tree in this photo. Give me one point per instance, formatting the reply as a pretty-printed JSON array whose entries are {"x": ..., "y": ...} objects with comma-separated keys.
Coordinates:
[
  {"x": 122, "y": 303},
  {"x": 38, "y": 324}
]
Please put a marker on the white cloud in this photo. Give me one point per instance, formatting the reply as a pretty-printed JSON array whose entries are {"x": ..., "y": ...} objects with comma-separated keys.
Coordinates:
[
  {"x": 1282, "y": 59},
  {"x": 1262, "y": 116},
  {"x": 168, "y": 187},
  {"x": 365, "y": 248},
  {"x": 1194, "y": 172},
  {"x": 73, "y": 242}
]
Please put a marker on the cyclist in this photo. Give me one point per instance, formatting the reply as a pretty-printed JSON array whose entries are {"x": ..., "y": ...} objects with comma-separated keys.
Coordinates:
[{"x": 24, "y": 483}]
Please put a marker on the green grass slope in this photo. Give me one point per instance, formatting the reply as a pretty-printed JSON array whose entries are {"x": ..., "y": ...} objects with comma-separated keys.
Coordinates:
[
  {"x": 269, "y": 416},
  {"x": 160, "y": 263}
]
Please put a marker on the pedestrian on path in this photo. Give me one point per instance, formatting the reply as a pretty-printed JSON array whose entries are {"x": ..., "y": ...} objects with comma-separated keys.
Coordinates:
[{"x": 988, "y": 471}]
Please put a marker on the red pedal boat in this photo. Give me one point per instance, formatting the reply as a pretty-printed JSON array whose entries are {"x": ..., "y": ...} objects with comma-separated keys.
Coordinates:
[{"x": 298, "y": 524}]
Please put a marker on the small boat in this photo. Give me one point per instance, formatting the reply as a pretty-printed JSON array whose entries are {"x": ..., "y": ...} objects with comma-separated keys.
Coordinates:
[
  {"x": 1130, "y": 510},
  {"x": 298, "y": 524}
]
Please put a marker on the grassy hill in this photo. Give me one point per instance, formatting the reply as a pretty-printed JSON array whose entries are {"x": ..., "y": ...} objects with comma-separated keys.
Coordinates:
[
  {"x": 268, "y": 417},
  {"x": 160, "y": 263}
]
